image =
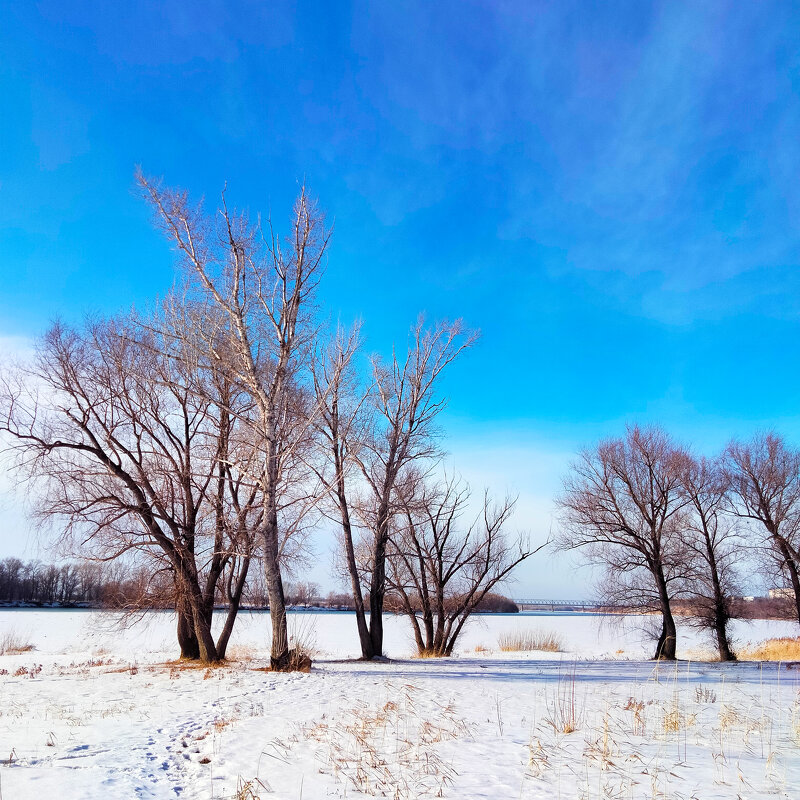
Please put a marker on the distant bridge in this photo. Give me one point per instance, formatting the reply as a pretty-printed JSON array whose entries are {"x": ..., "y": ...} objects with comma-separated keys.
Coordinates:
[{"x": 544, "y": 604}]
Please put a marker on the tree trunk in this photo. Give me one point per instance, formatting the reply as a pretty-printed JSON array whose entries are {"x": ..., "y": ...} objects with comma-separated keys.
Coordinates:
[
  {"x": 377, "y": 589},
  {"x": 190, "y": 649},
  {"x": 234, "y": 600},
  {"x": 792, "y": 570},
  {"x": 205, "y": 641},
  {"x": 376, "y": 621},
  {"x": 421, "y": 645},
  {"x": 723, "y": 645},
  {"x": 352, "y": 566},
  {"x": 721, "y": 615},
  {"x": 192, "y": 609},
  {"x": 667, "y": 641},
  {"x": 279, "y": 653}
]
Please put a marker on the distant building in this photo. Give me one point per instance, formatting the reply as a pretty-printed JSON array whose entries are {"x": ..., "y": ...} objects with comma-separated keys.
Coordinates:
[{"x": 786, "y": 593}]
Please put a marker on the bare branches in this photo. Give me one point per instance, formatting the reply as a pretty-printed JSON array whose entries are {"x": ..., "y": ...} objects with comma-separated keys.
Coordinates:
[
  {"x": 622, "y": 503},
  {"x": 383, "y": 430},
  {"x": 764, "y": 479},
  {"x": 263, "y": 296},
  {"x": 440, "y": 571},
  {"x": 121, "y": 449},
  {"x": 712, "y": 545}
]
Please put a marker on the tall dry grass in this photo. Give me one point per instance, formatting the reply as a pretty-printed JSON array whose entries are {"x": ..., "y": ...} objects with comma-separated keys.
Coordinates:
[
  {"x": 523, "y": 641},
  {"x": 13, "y": 642},
  {"x": 783, "y": 649}
]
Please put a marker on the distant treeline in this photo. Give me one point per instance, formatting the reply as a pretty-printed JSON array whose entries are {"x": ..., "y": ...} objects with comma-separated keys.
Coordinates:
[
  {"x": 114, "y": 585},
  {"x": 757, "y": 608},
  {"x": 91, "y": 584}
]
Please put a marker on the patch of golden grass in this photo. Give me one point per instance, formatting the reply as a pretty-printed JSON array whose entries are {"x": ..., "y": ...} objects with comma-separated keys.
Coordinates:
[
  {"x": 184, "y": 664},
  {"x": 783, "y": 649},
  {"x": 23, "y": 648},
  {"x": 428, "y": 654},
  {"x": 479, "y": 648},
  {"x": 524, "y": 641},
  {"x": 12, "y": 642}
]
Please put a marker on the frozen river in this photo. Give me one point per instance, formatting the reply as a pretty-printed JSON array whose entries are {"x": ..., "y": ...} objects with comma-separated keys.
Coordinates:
[{"x": 333, "y": 633}]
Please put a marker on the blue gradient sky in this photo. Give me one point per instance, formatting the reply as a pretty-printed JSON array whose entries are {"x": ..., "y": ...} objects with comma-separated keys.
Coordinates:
[{"x": 608, "y": 191}]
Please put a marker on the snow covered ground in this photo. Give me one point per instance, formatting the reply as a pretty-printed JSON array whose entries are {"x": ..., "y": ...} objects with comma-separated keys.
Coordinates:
[{"x": 95, "y": 711}]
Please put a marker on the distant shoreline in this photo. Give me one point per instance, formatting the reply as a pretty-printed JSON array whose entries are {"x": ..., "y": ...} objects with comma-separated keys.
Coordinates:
[{"x": 594, "y": 612}]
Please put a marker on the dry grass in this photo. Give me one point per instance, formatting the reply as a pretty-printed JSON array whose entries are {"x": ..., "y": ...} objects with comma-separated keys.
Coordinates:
[
  {"x": 243, "y": 653},
  {"x": 12, "y": 642},
  {"x": 247, "y": 790},
  {"x": 192, "y": 664},
  {"x": 427, "y": 654},
  {"x": 674, "y": 719},
  {"x": 784, "y": 649},
  {"x": 387, "y": 750},
  {"x": 524, "y": 641},
  {"x": 564, "y": 714}
]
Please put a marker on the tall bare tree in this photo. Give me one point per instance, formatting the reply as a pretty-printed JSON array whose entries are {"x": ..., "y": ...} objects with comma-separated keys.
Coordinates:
[
  {"x": 622, "y": 503},
  {"x": 382, "y": 432},
  {"x": 342, "y": 425},
  {"x": 764, "y": 477},
  {"x": 438, "y": 570},
  {"x": 713, "y": 546},
  {"x": 264, "y": 290}
]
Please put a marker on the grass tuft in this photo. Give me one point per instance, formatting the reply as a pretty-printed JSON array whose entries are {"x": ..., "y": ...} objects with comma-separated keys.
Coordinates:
[
  {"x": 247, "y": 790},
  {"x": 524, "y": 641}
]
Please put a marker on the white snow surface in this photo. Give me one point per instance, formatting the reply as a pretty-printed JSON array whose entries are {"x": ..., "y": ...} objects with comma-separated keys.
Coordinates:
[{"x": 97, "y": 710}]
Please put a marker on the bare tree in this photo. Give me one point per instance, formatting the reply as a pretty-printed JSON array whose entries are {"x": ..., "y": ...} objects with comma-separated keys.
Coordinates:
[
  {"x": 764, "y": 477},
  {"x": 264, "y": 295},
  {"x": 621, "y": 503},
  {"x": 439, "y": 571},
  {"x": 341, "y": 425},
  {"x": 712, "y": 543},
  {"x": 383, "y": 431},
  {"x": 124, "y": 452}
]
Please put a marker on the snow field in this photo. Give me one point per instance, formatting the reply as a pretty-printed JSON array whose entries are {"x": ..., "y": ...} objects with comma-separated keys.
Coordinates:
[{"x": 98, "y": 712}]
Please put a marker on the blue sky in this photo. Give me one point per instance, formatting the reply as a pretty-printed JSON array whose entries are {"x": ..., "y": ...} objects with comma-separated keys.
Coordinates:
[{"x": 609, "y": 191}]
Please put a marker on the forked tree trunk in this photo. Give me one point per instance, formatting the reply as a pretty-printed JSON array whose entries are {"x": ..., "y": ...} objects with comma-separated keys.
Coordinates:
[
  {"x": 205, "y": 641},
  {"x": 667, "y": 641},
  {"x": 721, "y": 615},
  {"x": 192, "y": 610}
]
